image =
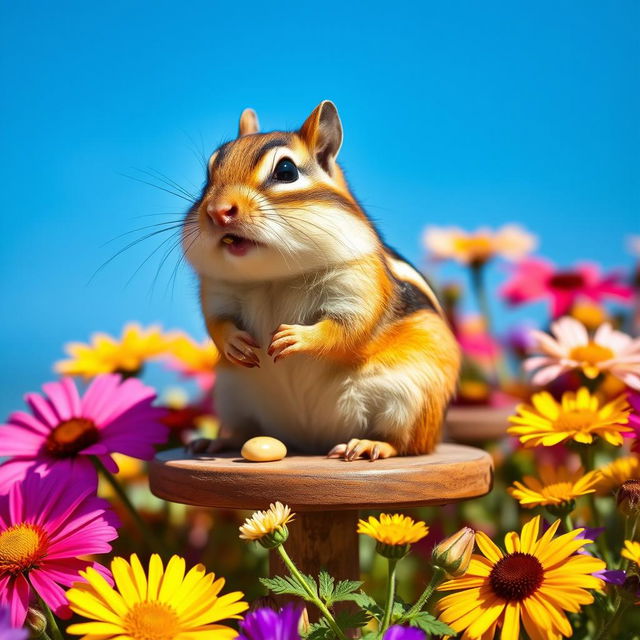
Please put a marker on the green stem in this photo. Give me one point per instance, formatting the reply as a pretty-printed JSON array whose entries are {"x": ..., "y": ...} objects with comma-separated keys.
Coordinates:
[
  {"x": 482, "y": 300},
  {"x": 567, "y": 522},
  {"x": 391, "y": 594},
  {"x": 293, "y": 570},
  {"x": 52, "y": 625},
  {"x": 151, "y": 539},
  {"x": 611, "y": 626},
  {"x": 423, "y": 600}
]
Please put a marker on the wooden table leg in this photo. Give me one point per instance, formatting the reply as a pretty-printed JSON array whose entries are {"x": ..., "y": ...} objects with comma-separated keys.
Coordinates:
[{"x": 322, "y": 540}]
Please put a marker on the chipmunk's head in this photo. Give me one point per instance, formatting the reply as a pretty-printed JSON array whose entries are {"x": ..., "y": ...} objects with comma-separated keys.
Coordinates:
[{"x": 276, "y": 204}]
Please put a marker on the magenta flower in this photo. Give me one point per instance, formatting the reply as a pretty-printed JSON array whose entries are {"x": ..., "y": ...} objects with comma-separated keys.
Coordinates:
[
  {"x": 63, "y": 428},
  {"x": 396, "y": 632},
  {"x": 634, "y": 420},
  {"x": 7, "y": 631},
  {"x": 537, "y": 279},
  {"x": 46, "y": 523},
  {"x": 267, "y": 624}
]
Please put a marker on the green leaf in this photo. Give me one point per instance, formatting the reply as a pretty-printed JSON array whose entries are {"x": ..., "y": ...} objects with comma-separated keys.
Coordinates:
[
  {"x": 351, "y": 618},
  {"x": 286, "y": 585},
  {"x": 399, "y": 609},
  {"x": 319, "y": 631},
  {"x": 326, "y": 587},
  {"x": 366, "y": 602},
  {"x": 430, "y": 624},
  {"x": 345, "y": 589}
]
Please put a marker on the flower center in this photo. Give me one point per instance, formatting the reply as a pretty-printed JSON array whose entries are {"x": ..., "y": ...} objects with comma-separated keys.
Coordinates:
[
  {"x": 562, "y": 491},
  {"x": 566, "y": 280},
  {"x": 516, "y": 576},
  {"x": 478, "y": 248},
  {"x": 579, "y": 420},
  {"x": 591, "y": 353},
  {"x": 152, "y": 621},
  {"x": 72, "y": 436},
  {"x": 22, "y": 546}
]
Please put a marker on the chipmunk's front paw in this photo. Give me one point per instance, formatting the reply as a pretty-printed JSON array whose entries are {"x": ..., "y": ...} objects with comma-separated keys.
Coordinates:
[
  {"x": 240, "y": 348},
  {"x": 289, "y": 339},
  {"x": 355, "y": 449},
  {"x": 208, "y": 446}
]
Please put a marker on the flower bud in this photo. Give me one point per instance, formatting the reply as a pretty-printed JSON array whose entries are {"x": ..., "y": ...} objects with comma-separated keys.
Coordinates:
[
  {"x": 275, "y": 538},
  {"x": 454, "y": 553},
  {"x": 36, "y": 622},
  {"x": 628, "y": 498}
]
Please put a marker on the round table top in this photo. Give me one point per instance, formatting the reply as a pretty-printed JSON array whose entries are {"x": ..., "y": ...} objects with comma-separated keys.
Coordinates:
[{"x": 315, "y": 483}]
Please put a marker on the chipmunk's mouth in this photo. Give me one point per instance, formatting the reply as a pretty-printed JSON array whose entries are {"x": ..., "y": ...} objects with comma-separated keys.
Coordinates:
[{"x": 237, "y": 245}]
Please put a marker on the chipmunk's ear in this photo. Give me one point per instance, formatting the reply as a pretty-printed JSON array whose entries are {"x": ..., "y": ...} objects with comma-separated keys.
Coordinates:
[
  {"x": 248, "y": 123},
  {"x": 322, "y": 131}
]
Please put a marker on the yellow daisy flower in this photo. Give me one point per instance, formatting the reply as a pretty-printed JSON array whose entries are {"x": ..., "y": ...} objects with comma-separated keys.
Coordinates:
[
  {"x": 106, "y": 354},
  {"x": 631, "y": 551},
  {"x": 164, "y": 604},
  {"x": 611, "y": 476},
  {"x": 579, "y": 416},
  {"x": 194, "y": 359},
  {"x": 393, "y": 530},
  {"x": 532, "y": 584},
  {"x": 557, "y": 485},
  {"x": 268, "y": 527}
]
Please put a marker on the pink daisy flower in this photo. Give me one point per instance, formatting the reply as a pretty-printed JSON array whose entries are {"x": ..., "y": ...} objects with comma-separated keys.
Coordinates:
[
  {"x": 46, "y": 523},
  {"x": 571, "y": 347},
  {"x": 64, "y": 428},
  {"x": 536, "y": 279}
]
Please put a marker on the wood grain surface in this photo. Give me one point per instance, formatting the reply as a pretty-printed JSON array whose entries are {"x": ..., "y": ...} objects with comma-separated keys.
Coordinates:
[
  {"x": 315, "y": 483},
  {"x": 322, "y": 540}
]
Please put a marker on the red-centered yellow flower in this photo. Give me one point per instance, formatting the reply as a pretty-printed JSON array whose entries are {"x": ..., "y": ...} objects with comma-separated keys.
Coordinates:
[
  {"x": 610, "y": 477},
  {"x": 532, "y": 583},
  {"x": 163, "y": 604},
  {"x": 105, "y": 354},
  {"x": 557, "y": 485},
  {"x": 579, "y": 416},
  {"x": 631, "y": 551}
]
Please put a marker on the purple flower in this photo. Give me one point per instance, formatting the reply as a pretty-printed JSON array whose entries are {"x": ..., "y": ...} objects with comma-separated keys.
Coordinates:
[
  {"x": 398, "y": 632},
  {"x": 7, "y": 632},
  {"x": 267, "y": 624}
]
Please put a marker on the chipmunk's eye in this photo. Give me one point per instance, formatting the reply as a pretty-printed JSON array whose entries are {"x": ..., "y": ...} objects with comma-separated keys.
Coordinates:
[{"x": 285, "y": 171}]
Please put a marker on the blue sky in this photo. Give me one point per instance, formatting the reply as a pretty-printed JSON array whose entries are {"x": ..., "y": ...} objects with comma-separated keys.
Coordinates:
[{"x": 464, "y": 113}]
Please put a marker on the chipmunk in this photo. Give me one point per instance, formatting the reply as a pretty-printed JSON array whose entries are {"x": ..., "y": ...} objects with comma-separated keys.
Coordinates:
[{"x": 329, "y": 340}]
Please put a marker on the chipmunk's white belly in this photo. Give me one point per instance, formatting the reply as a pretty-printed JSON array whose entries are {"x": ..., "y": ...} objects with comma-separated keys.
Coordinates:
[
  {"x": 310, "y": 403},
  {"x": 305, "y": 402}
]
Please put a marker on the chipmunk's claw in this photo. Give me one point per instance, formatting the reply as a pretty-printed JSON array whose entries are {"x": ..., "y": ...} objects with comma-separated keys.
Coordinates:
[
  {"x": 208, "y": 446},
  {"x": 356, "y": 449},
  {"x": 240, "y": 349}
]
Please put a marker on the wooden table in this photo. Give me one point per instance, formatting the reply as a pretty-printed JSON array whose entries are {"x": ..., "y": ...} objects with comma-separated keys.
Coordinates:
[{"x": 325, "y": 494}]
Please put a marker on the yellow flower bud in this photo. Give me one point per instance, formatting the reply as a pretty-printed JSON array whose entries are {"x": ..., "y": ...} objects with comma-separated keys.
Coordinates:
[{"x": 454, "y": 553}]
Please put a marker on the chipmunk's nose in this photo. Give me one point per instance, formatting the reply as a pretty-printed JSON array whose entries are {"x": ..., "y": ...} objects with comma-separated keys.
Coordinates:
[{"x": 222, "y": 213}]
